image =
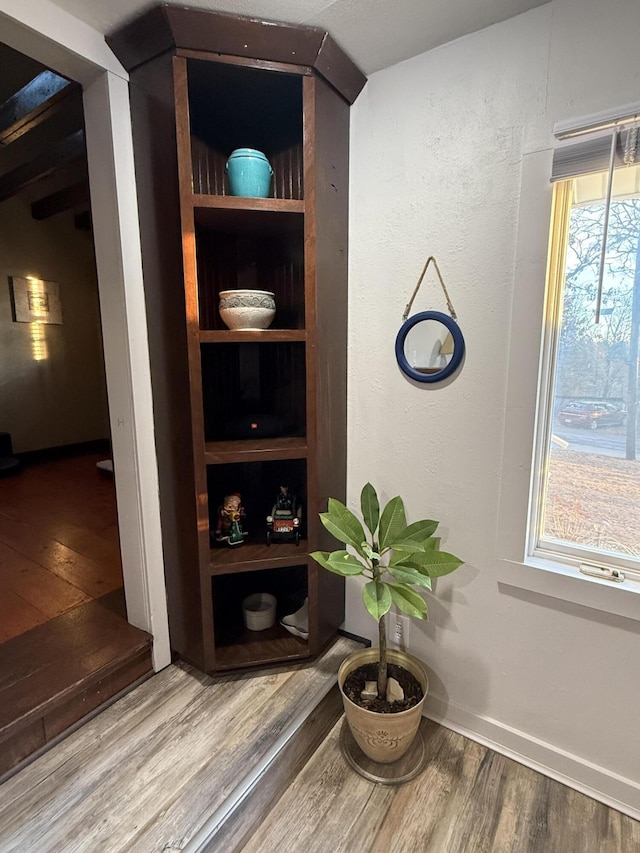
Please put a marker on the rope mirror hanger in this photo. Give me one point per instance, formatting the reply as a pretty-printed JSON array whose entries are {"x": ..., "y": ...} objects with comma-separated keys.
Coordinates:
[{"x": 429, "y": 345}]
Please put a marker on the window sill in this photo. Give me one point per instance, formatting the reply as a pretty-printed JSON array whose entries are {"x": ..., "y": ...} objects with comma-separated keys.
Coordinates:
[{"x": 567, "y": 584}]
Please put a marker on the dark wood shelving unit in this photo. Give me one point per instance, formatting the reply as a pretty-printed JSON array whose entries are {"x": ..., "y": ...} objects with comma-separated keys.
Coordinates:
[{"x": 196, "y": 95}]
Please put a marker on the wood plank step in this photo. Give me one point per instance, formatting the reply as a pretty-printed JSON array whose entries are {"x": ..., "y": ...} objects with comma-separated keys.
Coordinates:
[
  {"x": 265, "y": 790},
  {"x": 56, "y": 673}
]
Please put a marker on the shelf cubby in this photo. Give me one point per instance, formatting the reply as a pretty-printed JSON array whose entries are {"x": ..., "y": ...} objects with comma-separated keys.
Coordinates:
[
  {"x": 261, "y": 109},
  {"x": 254, "y": 257},
  {"x": 236, "y": 645},
  {"x": 258, "y": 483},
  {"x": 253, "y": 390}
]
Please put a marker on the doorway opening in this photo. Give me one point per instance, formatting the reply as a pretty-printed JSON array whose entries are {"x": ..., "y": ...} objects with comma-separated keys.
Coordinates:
[{"x": 65, "y": 644}]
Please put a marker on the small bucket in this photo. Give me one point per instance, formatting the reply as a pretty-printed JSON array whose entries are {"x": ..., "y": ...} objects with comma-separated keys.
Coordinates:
[
  {"x": 249, "y": 173},
  {"x": 259, "y": 611}
]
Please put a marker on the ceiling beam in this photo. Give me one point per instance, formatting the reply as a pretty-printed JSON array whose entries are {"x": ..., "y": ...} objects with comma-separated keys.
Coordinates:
[
  {"x": 62, "y": 200},
  {"x": 41, "y": 98},
  {"x": 57, "y": 155}
]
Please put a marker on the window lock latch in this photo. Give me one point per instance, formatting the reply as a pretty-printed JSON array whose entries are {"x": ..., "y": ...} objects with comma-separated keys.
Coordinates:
[{"x": 604, "y": 572}]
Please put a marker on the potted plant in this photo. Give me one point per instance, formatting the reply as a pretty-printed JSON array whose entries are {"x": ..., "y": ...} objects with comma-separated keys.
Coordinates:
[{"x": 396, "y": 558}]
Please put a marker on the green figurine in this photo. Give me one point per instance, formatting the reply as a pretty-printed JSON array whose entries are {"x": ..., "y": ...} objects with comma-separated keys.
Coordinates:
[{"x": 229, "y": 524}]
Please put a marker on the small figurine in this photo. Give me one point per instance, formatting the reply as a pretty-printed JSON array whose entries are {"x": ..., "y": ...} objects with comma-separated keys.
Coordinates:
[
  {"x": 285, "y": 519},
  {"x": 229, "y": 523}
]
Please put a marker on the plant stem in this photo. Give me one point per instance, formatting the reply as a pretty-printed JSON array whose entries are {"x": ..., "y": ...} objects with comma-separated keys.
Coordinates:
[
  {"x": 382, "y": 645},
  {"x": 382, "y": 664}
]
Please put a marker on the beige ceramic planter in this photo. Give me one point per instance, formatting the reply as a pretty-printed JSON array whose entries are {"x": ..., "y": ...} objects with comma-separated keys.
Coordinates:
[{"x": 383, "y": 737}]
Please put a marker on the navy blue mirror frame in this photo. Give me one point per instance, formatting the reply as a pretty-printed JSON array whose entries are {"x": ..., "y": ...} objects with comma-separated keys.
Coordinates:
[{"x": 458, "y": 346}]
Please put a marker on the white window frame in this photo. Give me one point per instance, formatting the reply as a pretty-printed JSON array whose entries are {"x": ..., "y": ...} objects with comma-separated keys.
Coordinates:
[
  {"x": 517, "y": 567},
  {"x": 538, "y": 547}
]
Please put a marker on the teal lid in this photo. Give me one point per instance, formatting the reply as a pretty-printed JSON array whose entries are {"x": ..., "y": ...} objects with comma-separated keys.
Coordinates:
[{"x": 248, "y": 152}]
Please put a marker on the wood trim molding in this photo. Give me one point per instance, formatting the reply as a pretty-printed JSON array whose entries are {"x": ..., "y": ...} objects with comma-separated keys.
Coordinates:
[{"x": 164, "y": 28}]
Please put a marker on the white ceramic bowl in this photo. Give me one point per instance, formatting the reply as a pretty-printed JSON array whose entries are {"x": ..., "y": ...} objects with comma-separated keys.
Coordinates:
[
  {"x": 259, "y": 611},
  {"x": 247, "y": 309}
]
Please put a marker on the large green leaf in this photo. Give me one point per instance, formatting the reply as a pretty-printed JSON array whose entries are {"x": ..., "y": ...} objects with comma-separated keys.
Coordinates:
[
  {"x": 340, "y": 562},
  {"x": 407, "y": 600},
  {"x": 416, "y": 559},
  {"x": 409, "y": 574},
  {"x": 408, "y": 546},
  {"x": 420, "y": 530},
  {"x": 370, "y": 507},
  {"x": 438, "y": 563},
  {"x": 343, "y": 524},
  {"x": 377, "y": 598},
  {"x": 392, "y": 522},
  {"x": 423, "y": 558},
  {"x": 400, "y": 557}
]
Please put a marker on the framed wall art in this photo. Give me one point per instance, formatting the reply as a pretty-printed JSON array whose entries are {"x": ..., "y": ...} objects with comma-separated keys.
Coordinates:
[{"x": 35, "y": 301}]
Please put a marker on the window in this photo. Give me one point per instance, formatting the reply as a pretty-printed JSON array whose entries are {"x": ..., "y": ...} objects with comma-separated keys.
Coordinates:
[{"x": 586, "y": 491}]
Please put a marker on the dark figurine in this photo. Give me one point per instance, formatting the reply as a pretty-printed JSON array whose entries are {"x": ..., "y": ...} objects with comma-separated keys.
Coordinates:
[
  {"x": 229, "y": 523},
  {"x": 284, "y": 522}
]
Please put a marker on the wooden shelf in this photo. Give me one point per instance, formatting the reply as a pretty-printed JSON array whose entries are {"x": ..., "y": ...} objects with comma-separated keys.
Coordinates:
[
  {"x": 225, "y": 203},
  {"x": 260, "y": 215},
  {"x": 252, "y": 557},
  {"x": 227, "y": 336},
  {"x": 260, "y": 647},
  {"x": 255, "y": 450}
]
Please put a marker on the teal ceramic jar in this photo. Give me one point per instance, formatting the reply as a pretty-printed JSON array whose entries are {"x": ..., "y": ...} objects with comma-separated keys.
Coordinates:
[{"x": 249, "y": 173}]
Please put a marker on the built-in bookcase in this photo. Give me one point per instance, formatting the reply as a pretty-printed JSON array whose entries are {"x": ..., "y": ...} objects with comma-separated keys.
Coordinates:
[{"x": 243, "y": 411}]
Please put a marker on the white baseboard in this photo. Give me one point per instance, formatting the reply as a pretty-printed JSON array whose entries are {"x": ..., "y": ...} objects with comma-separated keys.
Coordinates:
[{"x": 609, "y": 788}]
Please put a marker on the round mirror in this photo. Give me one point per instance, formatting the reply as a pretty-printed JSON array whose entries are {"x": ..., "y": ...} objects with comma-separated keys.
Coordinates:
[{"x": 429, "y": 346}]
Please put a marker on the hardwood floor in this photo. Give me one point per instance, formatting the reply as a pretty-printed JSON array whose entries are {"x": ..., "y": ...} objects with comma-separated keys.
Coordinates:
[
  {"x": 58, "y": 541},
  {"x": 65, "y": 644},
  {"x": 147, "y": 772},
  {"x": 469, "y": 799},
  {"x": 154, "y": 772}
]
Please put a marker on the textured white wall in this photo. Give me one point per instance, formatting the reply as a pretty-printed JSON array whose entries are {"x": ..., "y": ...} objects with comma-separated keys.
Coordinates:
[
  {"x": 61, "y": 399},
  {"x": 450, "y": 156}
]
